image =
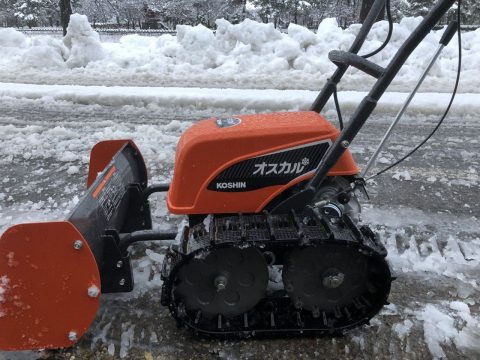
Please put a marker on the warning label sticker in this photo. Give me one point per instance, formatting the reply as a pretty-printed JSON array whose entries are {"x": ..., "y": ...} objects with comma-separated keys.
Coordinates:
[{"x": 110, "y": 192}]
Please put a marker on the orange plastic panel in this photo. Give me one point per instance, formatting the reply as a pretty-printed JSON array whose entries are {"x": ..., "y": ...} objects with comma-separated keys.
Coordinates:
[
  {"x": 205, "y": 150},
  {"x": 101, "y": 155},
  {"x": 49, "y": 290}
]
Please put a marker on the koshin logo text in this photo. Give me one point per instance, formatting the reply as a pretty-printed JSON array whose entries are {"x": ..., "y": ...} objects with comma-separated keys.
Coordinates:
[{"x": 232, "y": 185}]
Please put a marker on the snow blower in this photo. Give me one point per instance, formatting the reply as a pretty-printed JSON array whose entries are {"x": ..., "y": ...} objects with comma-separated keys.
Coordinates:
[{"x": 261, "y": 193}]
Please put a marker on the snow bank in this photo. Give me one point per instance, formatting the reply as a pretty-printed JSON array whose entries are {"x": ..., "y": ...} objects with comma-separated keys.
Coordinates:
[
  {"x": 245, "y": 55},
  {"x": 238, "y": 100},
  {"x": 12, "y": 38},
  {"x": 45, "y": 53},
  {"x": 83, "y": 42}
]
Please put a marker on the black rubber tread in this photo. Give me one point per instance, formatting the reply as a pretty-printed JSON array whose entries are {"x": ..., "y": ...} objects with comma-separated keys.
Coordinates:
[{"x": 276, "y": 315}]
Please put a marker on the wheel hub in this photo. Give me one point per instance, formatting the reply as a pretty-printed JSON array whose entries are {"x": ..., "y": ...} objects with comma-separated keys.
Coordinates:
[
  {"x": 228, "y": 281},
  {"x": 325, "y": 277}
]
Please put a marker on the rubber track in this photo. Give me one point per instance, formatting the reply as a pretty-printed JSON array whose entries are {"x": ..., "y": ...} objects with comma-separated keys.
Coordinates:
[{"x": 275, "y": 315}]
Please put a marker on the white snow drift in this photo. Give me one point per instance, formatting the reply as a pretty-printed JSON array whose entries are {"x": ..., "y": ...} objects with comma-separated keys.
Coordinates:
[{"x": 246, "y": 55}]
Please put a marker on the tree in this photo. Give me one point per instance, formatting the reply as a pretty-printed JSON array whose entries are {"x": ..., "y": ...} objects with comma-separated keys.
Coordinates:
[
  {"x": 471, "y": 12},
  {"x": 96, "y": 10},
  {"x": 28, "y": 12},
  {"x": 7, "y": 13},
  {"x": 65, "y": 12}
]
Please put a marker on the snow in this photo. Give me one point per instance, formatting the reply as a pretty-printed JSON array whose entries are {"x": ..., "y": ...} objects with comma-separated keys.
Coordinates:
[
  {"x": 126, "y": 339},
  {"x": 12, "y": 38},
  {"x": 93, "y": 291},
  {"x": 440, "y": 254},
  {"x": 403, "y": 329},
  {"x": 73, "y": 170},
  {"x": 302, "y": 35},
  {"x": 207, "y": 222},
  {"x": 3, "y": 288},
  {"x": 446, "y": 325},
  {"x": 402, "y": 175},
  {"x": 111, "y": 349},
  {"x": 232, "y": 99},
  {"x": 194, "y": 38},
  {"x": 11, "y": 259},
  {"x": 155, "y": 257},
  {"x": 83, "y": 42},
  {"x": 248, "y": 54}
]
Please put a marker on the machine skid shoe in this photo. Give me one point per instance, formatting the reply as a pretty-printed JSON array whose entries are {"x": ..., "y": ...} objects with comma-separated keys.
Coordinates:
[{"x": 49, "y": 286}]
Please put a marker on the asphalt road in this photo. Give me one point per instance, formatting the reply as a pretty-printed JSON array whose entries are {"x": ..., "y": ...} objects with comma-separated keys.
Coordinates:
[{"x": 428, "y": 218}]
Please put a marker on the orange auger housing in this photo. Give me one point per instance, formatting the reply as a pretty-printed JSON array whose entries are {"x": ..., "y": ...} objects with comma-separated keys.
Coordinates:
[{"x": 52, "y": 273}]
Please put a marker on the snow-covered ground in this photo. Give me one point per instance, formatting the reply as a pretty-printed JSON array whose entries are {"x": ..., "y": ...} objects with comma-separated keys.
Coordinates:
[
  {"x": 429, "y": 223},
  {"x": 246, "y": 55}
]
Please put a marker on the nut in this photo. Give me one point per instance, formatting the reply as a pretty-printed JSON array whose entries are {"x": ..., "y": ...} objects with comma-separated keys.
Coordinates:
[
  {"x": 72, "y": 336},
  {"x": 77, "y": 244}
]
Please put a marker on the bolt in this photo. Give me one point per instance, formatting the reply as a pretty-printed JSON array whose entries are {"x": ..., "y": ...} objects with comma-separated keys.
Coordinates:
[
  {"x": 345, "y": 144},
  {"x": 334, "y": 220},
  {"x": 333, "y": 281},
  {"x": 72, "y": 336},
  {"x": 220, "y": 282},
  {"x": 119, "y": 263},
  {"x": 77, "y": 244},
  {"x": 122, "y": 282},
  {"x": 93, "y": 291},
  {"x": 298, "y": 304}
]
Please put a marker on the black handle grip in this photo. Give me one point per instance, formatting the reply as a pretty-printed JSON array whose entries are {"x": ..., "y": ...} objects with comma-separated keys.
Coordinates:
[
  {"x": 339, "y": 57},
  {"x": 449, "y": 33}
]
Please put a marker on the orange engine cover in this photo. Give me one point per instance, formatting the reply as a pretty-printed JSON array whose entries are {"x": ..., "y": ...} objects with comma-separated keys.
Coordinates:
[{"x": 240, "y": 164}]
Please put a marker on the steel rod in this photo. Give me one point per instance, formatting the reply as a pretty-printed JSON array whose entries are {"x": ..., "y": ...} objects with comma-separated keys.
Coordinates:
[{"x": 401, "y": 112}]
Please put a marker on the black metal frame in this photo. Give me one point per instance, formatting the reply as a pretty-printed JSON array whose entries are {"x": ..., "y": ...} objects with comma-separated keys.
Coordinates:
[{"x": 303, "y": 198}]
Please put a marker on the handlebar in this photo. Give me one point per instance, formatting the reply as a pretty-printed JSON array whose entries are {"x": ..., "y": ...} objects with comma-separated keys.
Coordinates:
[{"x": 329, "y": 88}]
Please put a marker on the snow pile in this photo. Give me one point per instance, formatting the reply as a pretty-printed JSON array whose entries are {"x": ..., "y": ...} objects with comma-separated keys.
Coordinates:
[
  {"x": 194, "y": 38},
  {"x": 83, "y": 42},
  {"x": 302, "y": 36},
  {"x": 12, "y": 38},
  {"x": 45, "y": 53},
  {"x": 454, "y": 325},
  {"x": 248, "y": 54}
]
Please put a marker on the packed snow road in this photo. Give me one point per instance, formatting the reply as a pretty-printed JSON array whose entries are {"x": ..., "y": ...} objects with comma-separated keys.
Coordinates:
[{"x": 426, "y": 213}]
